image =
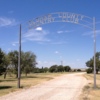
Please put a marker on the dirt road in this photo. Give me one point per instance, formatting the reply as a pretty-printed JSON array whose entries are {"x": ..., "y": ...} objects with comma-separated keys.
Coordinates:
[{"x": 66, "y": 87}]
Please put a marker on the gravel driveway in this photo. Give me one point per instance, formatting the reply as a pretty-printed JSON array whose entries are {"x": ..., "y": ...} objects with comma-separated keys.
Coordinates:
[{"x": 65, "y": 87}]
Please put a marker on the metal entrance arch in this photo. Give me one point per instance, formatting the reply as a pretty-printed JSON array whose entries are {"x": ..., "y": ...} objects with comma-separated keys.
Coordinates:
[{"x": 63, "y": 17}]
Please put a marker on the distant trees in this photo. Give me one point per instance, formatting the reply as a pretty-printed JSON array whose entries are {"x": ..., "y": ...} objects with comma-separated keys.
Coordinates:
[
  {"x": 90, "y": 63},
  {"x": 79, "y": 70},
  {"x": 60, "y": 68},
  {"x": 67, "y": 68},
  {"x": 41, "y": 70},
  {"x": 46, "y": 69},
  {"x": 53, "y": 68}
]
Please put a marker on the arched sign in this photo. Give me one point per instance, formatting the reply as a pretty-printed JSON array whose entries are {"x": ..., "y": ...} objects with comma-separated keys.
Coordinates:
[{"x": 62, "y": 17}]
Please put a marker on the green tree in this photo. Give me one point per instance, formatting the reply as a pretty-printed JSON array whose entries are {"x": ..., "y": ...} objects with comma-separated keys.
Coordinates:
[
  {"x": 53, "y": 68},
  {"x": 2, "y": 67},
  {"x": 27, "y": 70},
  {"x": 41, "y": 70},
  {"x": 28, "y": 62},
  {"x": 36, "y": 70},
  {"x": 13, "y": 57},
  {"x": 67, "y": 68},
  {"x": 46, "y": 69},
  {"x": 60, "y": 68},
  {"x": 90, "y": 63},
  {"x": 6, "y": 64}
]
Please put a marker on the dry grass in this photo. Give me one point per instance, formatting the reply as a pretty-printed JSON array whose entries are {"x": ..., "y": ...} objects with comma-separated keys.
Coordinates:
[
  {"x": 10, "y": 83},
  {"x": 89, "y": 93}
]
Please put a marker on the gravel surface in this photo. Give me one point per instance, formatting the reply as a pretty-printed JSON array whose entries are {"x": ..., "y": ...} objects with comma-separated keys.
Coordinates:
[{"x": 65, "y": 87}]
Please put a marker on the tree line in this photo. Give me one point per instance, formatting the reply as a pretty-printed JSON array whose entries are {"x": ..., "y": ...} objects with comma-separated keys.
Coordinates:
[
  {"x": 9, "y": 64},
  {"x": 52, "y": 69}
]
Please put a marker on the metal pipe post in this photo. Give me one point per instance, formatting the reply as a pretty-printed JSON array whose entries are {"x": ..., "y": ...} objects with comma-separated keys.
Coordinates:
[
  {"x": 19, "y": 56},
  {"x": 94, "y": 30}
]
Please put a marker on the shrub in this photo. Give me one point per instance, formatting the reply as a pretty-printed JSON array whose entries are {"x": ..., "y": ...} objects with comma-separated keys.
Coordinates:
[
  {"x": 74, "y": 70},
  {"x": 89, "y": 70},
  {"x": 79, "y": 70}
]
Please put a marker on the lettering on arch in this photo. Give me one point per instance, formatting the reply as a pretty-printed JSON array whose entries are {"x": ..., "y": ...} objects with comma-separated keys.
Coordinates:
[{"x": 61, "y": 17}]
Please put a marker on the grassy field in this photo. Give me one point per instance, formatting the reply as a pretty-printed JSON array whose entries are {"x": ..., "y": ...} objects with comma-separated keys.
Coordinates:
[
  {"x": 89, "y": 93},
  {"x": 10, "y": 83}
]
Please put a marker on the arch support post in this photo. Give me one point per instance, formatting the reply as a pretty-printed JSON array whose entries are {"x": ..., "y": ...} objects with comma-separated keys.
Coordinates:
[
  {"x": 94, "y": 31},
  {"x": 19, "y": 58}
]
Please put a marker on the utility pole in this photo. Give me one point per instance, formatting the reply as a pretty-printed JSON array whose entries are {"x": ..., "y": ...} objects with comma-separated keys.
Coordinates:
[{"x": 61, "y": 62}]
